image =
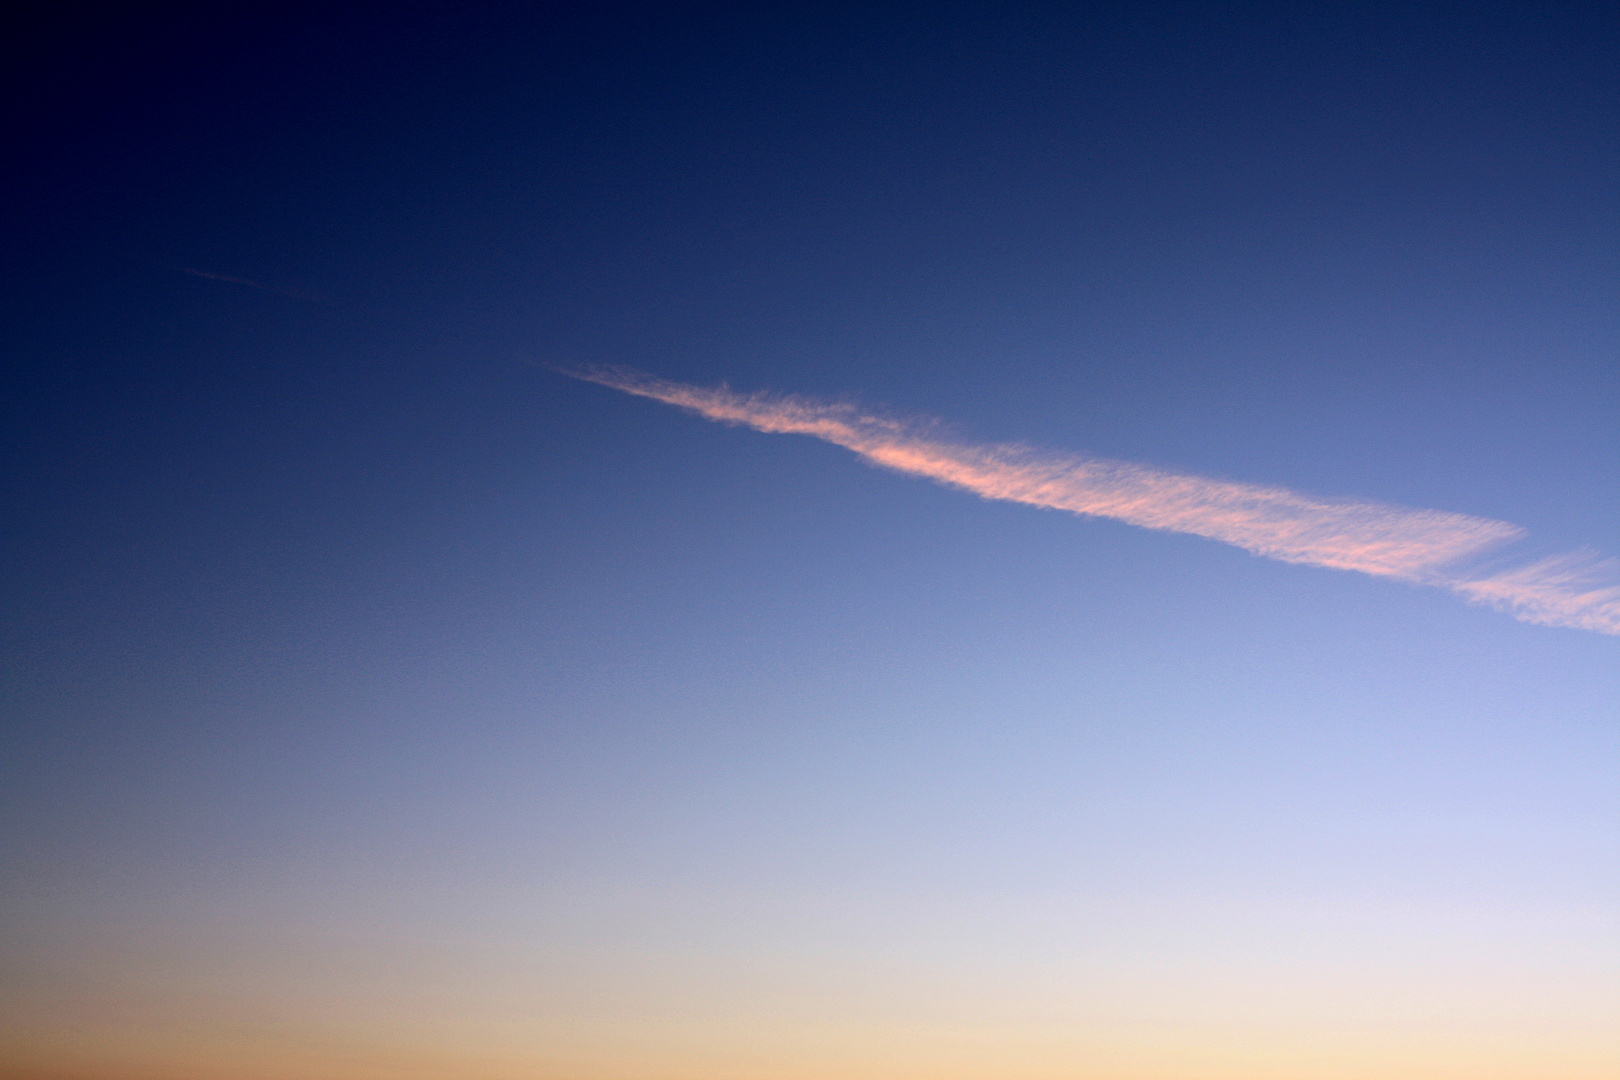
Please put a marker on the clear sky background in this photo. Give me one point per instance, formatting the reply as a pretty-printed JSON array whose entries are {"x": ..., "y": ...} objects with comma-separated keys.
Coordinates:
[{"x": 382, "y": 703}]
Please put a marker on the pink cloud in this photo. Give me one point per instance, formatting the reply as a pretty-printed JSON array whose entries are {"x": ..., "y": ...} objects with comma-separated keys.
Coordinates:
[
  {"x": 1369, "y": 537},
  {"x": 1580, "y": 589}
]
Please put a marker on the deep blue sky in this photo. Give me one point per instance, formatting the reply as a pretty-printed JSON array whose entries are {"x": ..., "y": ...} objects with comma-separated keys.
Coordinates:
[{"x": 331, "y": 609}]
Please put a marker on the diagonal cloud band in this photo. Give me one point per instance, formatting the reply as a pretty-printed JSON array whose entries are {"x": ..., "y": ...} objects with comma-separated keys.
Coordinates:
[{"x": 1579, "y": 590}]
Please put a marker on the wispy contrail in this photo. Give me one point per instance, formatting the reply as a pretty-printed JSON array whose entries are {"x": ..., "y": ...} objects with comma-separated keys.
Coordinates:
[
  {"x": 280, "y": 290},
  {"x": 1580, "y": 589},
  {"x": 1426, "y": 546}
]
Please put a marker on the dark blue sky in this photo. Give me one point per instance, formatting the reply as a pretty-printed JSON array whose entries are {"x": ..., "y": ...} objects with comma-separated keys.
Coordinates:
[{"x": 317, "y": 575}]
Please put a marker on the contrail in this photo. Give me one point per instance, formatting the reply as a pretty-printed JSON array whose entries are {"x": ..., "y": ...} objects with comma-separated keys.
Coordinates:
[
  {"x": 1579, "y": 590},
  {"x": 280, "y": 290}
]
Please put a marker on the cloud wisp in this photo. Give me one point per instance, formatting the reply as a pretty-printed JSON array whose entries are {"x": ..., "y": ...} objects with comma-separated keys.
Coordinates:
[
  {"x": 279, "y": 290},
  {"x": 1424, "y": 546}
]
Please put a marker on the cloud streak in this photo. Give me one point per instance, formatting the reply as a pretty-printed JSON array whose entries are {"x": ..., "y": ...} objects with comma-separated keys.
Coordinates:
[
  {"x": 1424, "y": 546},
  {"x": 279, "y": 290}
]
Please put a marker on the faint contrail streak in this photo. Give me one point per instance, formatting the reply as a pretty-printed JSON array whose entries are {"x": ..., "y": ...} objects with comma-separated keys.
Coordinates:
[
  {"x": 280, "y": 290},
  {"x": 1423, "y": 546}
]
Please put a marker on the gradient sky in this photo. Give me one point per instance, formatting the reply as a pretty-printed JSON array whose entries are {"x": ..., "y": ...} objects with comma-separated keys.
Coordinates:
[{"x": 382, "y": 702}]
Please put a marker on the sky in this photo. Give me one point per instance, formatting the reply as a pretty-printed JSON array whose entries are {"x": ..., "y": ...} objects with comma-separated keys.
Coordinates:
[{"x": 1004, "y": 542}]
